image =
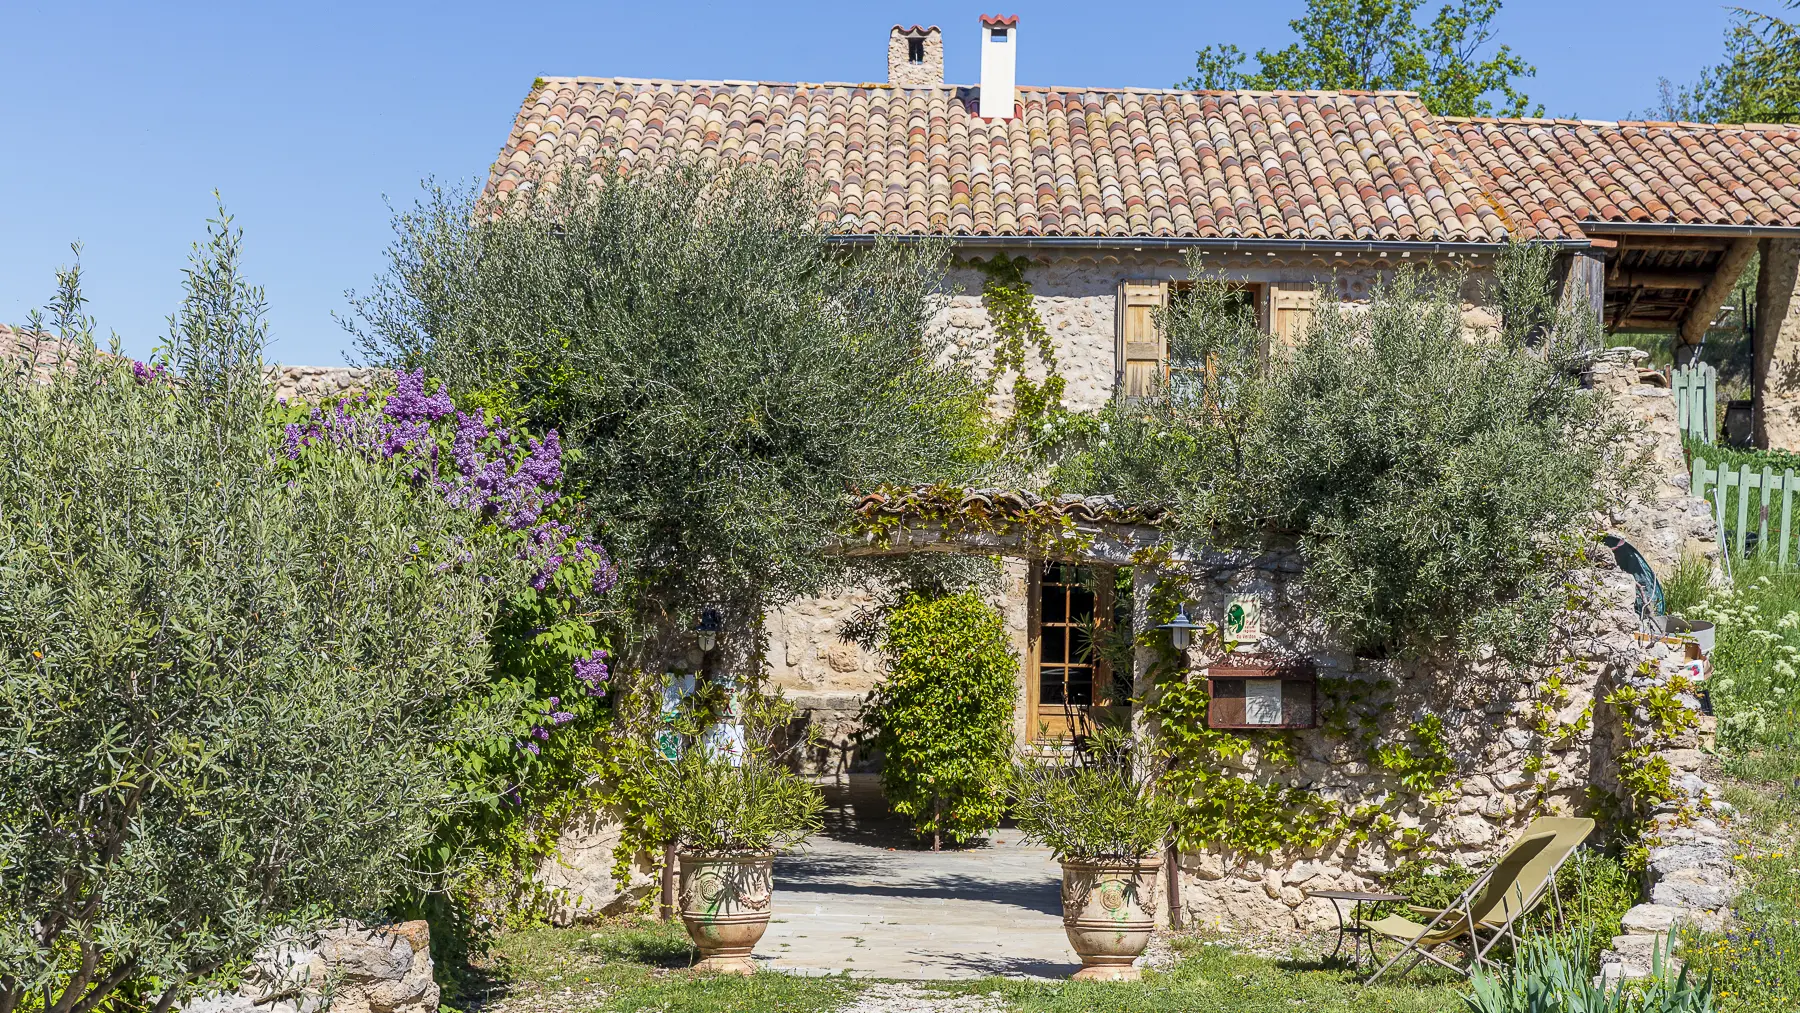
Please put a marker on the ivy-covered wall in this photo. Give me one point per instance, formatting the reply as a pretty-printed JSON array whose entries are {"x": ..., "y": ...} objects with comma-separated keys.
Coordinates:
[{"x": 1424, "y": 758}]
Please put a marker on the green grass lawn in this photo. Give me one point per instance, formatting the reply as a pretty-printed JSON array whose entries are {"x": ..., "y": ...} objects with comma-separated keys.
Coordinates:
[
  {"x": 1210, "y": 977},
  {"x": 630, "y": 966}
]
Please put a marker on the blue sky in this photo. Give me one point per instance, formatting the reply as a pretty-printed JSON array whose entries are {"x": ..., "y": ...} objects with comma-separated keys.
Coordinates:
[{"x": 118, "y": 120}]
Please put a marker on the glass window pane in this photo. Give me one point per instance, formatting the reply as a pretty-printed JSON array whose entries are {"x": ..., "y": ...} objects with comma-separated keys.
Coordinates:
[
  {"x": 1081, "y": 686},
  {"x": 1081, "y": 646},
  {"x": 1081, "y": 603},
  {"x": 1056, "y": 645},
  {"x": 1056, "y": 606},
  {"x": 1050, "y": 685}
]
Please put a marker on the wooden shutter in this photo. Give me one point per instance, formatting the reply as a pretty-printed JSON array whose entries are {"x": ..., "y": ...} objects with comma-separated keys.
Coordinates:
[
  {"x": 1143, "y": 351},
  {"x": 1290, "y": 311}
]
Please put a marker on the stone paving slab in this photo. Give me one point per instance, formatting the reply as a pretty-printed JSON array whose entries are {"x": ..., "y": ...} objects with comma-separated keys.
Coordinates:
[{"x": 862, "y": 899}]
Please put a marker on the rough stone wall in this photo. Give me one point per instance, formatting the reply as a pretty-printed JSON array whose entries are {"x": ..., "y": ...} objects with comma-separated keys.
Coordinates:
[
  {"x": 385, "y": 969},
  {"x": 827, "y": 678},
  {"x": 579, "y": 876},
  {"x": 1662, "y": 519},
  {"x": 1777, "y": 371},
  {"x": 319, "y": 383},
  {"x": 1490, "y": 712},
  {"x": 1077, "y": 299}
]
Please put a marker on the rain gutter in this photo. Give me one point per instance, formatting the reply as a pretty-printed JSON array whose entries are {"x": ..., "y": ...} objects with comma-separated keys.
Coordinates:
[
  {"x": 1227, "y": 245},
  {"x": 1686, "y": 229}
]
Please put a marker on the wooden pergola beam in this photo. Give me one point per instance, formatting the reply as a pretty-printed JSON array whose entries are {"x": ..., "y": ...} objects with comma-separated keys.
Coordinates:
[{"x": 1700, "y": 313}]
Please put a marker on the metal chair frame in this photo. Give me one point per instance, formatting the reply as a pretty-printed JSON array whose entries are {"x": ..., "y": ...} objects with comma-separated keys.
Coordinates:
[{"x": 1478, "y": 950}]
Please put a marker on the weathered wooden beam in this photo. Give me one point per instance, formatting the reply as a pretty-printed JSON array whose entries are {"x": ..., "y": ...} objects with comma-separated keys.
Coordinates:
[
  {"x": 1645, "y": 324},
  {"x": 1700, "y": 315},
  {"x": 1112, "y": 544},
  {"x": 1663, "y": 279},
  {"x": 1584, "y": 286}
]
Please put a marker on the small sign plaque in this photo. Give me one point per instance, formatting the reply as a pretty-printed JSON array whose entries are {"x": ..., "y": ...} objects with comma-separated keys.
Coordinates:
[{"x": 1243, "y": 620}]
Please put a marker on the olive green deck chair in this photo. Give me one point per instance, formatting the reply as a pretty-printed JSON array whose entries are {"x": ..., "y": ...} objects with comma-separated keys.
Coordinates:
[{"x": 1486, "y": 910}]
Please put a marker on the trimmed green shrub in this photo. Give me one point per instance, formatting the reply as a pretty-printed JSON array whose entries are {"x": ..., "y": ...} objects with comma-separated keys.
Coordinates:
[{"x": 943, "y": 716}]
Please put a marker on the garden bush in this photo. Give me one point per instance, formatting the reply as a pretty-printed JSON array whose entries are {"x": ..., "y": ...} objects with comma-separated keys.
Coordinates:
[
  {"x": 232, "y": 690},
  {"x": 1103, "y": 804},
  {"x": 1435, "y": 479},
  {"x": 943, "y": 715}
]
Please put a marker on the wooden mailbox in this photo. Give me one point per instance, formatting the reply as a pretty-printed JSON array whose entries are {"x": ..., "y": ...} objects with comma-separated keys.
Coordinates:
[{"x": 1262, "y": 693}]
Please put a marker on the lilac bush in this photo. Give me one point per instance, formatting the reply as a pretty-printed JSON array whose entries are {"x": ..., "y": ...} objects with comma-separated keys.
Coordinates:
[{"x": 508, "y": 478}]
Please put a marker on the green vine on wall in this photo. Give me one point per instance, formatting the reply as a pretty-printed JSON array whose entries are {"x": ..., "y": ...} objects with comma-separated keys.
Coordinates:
[
  {"x": 1655, "y": 716},
  {"x": 1019, "y": 332},
  {"x": 1221, "y": 808}
]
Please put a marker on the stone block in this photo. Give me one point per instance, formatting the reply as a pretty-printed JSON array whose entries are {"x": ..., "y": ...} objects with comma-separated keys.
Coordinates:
[
  {"x": 1707, "y": 889},
  {"x": 382, "y": 969}
]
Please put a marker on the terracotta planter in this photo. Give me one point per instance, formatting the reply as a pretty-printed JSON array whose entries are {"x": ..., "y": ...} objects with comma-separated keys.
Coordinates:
[
  {"x": 1109, "y": 911},
  {"x": 725, "y": 907}
]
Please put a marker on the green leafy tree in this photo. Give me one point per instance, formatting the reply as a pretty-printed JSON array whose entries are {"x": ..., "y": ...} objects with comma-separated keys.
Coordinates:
[
  {"x": 1379, "y": 45},
  {"x": 1758, "y": 81},
  {"x": 1436, "y": 479},
  {"x": 722, "y": 375},
  {"x": 942, "y": 717},
  {"x": 231, "y": 692}
]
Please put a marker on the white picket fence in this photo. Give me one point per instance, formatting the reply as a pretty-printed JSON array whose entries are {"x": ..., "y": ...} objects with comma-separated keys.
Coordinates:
[
  {"x": 1697, "y": 401},
  {"x": 1764, "y": 504}
]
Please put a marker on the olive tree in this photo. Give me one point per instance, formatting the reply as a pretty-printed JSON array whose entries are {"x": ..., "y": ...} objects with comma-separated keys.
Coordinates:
[
  {"x": 1436, "y": 478},
  {"x": 721, "y": 373},
  {"x": 229, "y": 688}
]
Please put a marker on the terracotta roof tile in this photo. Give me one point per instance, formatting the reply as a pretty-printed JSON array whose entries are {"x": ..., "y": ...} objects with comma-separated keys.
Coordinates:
[
  {"x": 1128, "y": 163},
  {"x": 1073, "y": 162},
  {"x": 1667, "y": 173}
]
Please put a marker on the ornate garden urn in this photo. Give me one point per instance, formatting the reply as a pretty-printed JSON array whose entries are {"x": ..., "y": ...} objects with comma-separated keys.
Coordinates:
[
  {"x": 1109, "y": 911},
  {"x": 725, "y": 907}
]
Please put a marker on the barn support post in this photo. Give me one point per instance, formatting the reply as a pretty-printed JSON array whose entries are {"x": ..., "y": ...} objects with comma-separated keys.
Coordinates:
[{"x": 1777, "y": 371}]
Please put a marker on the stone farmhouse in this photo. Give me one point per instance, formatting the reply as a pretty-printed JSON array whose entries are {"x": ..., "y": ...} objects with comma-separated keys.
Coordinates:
[
  {"x": 1106, "y": 190},
  {"x": 1288, "y": 194}
]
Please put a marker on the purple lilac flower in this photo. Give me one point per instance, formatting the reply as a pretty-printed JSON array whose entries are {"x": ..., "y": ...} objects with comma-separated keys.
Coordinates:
[
  {"x": 592, "y": 670},
  {"x": 540, "y": 733},
  {"x": 532, "y": 747},
  {"x": 562, "y": 717},
  {"x": 145, "y": 373}
]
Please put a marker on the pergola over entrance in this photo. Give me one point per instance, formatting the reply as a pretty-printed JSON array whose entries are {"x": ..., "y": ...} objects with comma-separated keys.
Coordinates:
[{"x": 1068, "y": 544}]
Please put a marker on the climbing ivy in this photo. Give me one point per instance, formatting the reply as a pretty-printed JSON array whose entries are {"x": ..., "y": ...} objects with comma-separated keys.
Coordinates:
[
  {"x": 1423, "y": 761},
  {"x": 1019, "y": 332}
]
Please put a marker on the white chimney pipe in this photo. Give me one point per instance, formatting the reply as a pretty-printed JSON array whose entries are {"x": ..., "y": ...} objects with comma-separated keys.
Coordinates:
[{"x": 999, "y": 59}]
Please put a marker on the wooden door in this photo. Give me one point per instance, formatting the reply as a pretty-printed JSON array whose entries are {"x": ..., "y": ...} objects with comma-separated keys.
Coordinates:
[{"x": 1068, "y": 682}]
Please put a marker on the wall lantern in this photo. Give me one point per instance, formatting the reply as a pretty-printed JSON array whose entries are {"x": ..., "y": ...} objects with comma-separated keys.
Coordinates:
[
  {"x": 711, "y": 623},
  {"x": 1181, "y": 628},
  {"x": 1263, "y": 693}
]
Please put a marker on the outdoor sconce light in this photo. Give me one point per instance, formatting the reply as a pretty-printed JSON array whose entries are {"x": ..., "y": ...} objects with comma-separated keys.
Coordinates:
[
  {"x": 709, "y": 626},
  {"x": 1181, "y": 628}
]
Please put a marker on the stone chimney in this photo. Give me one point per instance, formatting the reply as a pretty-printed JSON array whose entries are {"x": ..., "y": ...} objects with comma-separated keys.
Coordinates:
[
  {"x": 999, "y": 58},
  {"x": 915, "y": 57}
]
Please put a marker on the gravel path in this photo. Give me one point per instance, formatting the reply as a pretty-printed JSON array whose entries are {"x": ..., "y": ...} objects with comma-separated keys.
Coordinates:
[{"x": 899, "y": 997}]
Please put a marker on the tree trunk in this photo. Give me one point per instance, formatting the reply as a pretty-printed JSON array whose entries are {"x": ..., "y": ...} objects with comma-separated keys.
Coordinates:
[
  {"x": 936, "y": 822},
  {"x": 668, "y": 883}
]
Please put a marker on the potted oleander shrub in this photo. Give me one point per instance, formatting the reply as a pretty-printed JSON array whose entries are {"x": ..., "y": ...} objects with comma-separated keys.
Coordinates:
[
  {"x": 1100, "y": 811},
  {"x": 728, "y": 815}
]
